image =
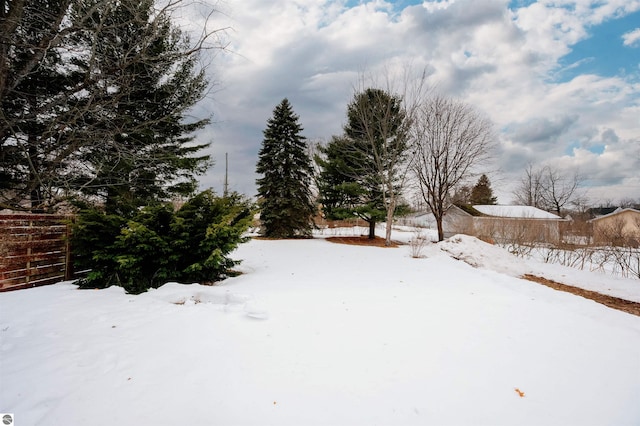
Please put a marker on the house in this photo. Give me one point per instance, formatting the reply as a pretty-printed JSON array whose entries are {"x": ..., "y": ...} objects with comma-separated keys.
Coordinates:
[
  {"x": 497, "y": 223},
  {"x": 453, "y": 222},
  {"x": 516, "y": 224},
  {"x": 621, "y": 227}
]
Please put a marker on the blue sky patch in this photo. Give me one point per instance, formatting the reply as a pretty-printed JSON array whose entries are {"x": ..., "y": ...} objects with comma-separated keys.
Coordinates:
[
  {"x": 571, "y": 147},
  {"x": 597, "y": 149},
  {"x": 516, "y": 4},
  {"x": 604, "y": 53}
]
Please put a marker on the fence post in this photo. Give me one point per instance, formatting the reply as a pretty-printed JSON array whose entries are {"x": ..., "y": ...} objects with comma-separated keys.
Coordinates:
[
  {"x": 29, "y": 252},
  {"x": 68, "y": 260}
]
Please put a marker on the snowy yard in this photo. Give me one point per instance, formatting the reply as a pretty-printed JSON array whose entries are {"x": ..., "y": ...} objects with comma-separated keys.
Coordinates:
[{"x": 316, "y": 333}]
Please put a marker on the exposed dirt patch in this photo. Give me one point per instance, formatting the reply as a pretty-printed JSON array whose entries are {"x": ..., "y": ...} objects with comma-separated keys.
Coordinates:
[
  {"x": 610, "y": 301},
  {"x": 261, "y": 237},
  {"x": 361, "y": 241}
]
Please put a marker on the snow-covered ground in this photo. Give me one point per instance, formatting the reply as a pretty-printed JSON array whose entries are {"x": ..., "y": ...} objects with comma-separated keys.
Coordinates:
[{"x": 316, "y": 333}]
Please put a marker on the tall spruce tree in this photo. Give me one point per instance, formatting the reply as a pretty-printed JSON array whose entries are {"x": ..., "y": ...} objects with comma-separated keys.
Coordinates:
[
  {"x": 481, "y": 193},
  {"x": 286, "y": 204}
]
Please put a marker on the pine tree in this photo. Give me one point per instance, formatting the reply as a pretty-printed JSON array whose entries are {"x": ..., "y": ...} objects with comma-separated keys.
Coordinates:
[
  {"x": 95, "y": 96},
  {"x": 482, "y": 194},
  {"x": 146, "y": 153},
  {"x": 31, "y": 139},
  {"x": 361, "y": 169},
  {"x": 340, "y": 194},
  {"x": 286, "y": 205}
]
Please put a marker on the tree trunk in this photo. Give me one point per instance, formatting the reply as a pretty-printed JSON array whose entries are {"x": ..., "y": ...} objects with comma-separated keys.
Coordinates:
[
  {"x": 372, "y": 229},
  {"x": 35, "y": 195},
  {"x": 390, "y": 210},
  {"x": 440, "y": 230}
]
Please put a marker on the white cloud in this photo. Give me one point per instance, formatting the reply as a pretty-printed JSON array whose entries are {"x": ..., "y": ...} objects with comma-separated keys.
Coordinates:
[
  {"x": 632, "y": 38},
  {"x": 432, "y": 6},
  {"x": 501, "y": 61}
]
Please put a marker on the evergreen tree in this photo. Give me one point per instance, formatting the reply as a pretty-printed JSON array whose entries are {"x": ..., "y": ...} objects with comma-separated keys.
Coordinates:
[
  {"x": 284, "y": 191},
  {"x": 157, "y": 244},
  {"x": 339, "y": 194},
  {"x": 31, "y": 139},
  {"x": 146, "y": 153},
  {"x": 344, "y": 192},
  {"x": 361, "y": 170},
  {"x": 94, "y": 97},
  {"x": 481, "y": 193}
]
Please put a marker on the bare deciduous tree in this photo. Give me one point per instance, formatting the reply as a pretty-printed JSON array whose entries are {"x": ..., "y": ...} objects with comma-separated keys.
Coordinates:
[
  {"x": 451, "y": 138},
  {"x": 548, "y": 188},
  {"x": 529, "y": 190},
  {"x": 461, "y": 195},
  {"x": 629, "y": 202},
  {"x": 558, "y": 188}
]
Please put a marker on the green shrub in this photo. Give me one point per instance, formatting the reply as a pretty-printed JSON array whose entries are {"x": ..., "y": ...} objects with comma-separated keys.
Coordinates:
[
  {"x": 158, "y": 244},
  {"x": 93, "y": 237}
]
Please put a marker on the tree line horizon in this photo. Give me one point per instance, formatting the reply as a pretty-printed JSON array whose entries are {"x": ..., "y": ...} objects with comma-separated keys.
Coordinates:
[{"x": 434, "y": 144}]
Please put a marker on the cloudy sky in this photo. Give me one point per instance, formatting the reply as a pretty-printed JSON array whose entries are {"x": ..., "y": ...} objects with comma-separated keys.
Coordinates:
[{"x": 560, "y": 79}]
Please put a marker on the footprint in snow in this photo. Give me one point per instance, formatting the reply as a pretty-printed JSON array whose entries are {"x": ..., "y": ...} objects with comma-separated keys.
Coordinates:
[{"x": 255, "y": 309}]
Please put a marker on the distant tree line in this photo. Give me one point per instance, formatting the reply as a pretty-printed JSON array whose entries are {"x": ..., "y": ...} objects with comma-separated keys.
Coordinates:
[
  {"x": 392, "y": 143},
  {"x": 388, "y": 141}
]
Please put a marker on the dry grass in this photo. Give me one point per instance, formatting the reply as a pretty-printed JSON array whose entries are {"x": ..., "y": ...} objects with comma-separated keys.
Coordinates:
[{"x": 609, "y": 301}]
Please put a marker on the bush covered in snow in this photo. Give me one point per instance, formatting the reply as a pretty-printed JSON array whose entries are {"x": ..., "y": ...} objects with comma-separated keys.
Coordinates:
[{"x": 159, "y": 244}]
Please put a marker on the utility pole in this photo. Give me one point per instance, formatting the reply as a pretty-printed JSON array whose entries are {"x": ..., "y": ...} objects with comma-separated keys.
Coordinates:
[{"x": 225, "y": 191}]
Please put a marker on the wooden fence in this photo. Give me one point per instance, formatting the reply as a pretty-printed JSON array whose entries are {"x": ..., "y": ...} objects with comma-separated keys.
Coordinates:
[{"x": 34, "y": 250}]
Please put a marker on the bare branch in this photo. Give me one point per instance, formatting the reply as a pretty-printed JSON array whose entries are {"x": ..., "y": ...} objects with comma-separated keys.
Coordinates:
[
  {"x": 548, "y": 188},
  {"x": 451, "y": 139}
]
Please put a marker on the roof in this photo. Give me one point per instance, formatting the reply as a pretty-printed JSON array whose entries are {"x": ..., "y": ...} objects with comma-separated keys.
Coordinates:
[
  {"x": 601, "y": 211},
  {"x": 618, "y": 211},
  {"x": 521, "y": 212}
]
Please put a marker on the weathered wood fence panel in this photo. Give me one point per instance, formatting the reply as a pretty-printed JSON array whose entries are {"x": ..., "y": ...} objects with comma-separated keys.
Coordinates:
[{"x": 34, "y": 250}]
